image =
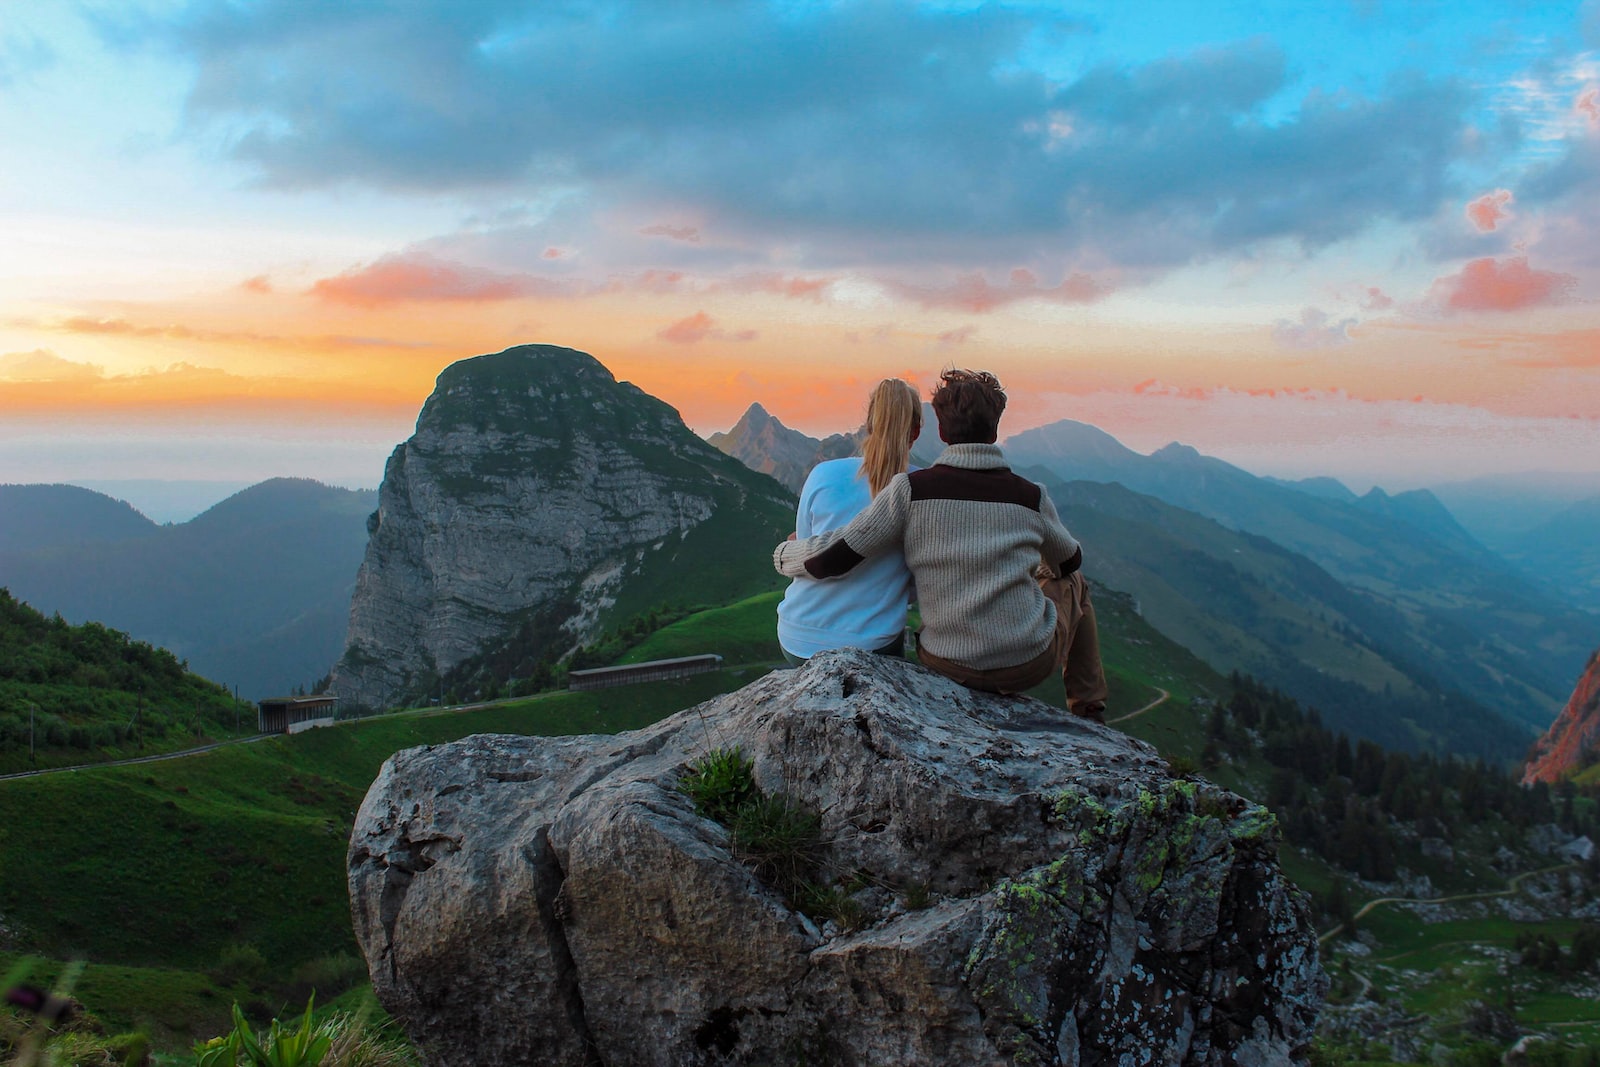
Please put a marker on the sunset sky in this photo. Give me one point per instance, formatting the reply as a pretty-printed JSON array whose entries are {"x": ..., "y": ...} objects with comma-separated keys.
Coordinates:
[{"x": 240, "y": 240}]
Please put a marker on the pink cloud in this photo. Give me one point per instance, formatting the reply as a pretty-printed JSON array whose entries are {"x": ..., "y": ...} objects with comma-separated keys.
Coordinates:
[
  {"x": 418, "y": 276},
  {"x": 699, "y": 327},
  {"x": 690, "y": 234},
  {"x": 1492, "y": 285},
  {"x": 554, "y": 253},
  {"x": 258, "y": 284},
  {"x": 1588, "y": 105},
  {"x": 1375, "y": 299},
  {"x": 974, "y": 292},
  {"x": 795, "y": 286},
  {"x": 656, "y": 281},
  {"x": 1488, "y": 210},
  {"x": 957, "y": 337}
]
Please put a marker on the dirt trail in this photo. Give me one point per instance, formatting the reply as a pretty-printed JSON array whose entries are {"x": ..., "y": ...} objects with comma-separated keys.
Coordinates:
[
  {"x": 1512, "y": 888},
  {"x": 1156, "y": 703}
]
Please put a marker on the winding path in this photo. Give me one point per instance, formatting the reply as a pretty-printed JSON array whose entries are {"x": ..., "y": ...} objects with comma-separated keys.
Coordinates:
[
  {"x": 156, "y": 758},
  {"x": 1513, "y": 887},
  {"x": 1156, "y": 703}
]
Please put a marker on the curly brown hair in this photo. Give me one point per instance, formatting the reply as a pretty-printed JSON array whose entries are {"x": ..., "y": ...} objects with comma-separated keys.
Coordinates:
[{"x": 969, "y": 404}]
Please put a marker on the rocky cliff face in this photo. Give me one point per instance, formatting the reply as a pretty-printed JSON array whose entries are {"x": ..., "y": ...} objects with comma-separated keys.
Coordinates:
[
  {"x": 534, "y": 486},
  {"x": 1028, "y": 889},
  {"x": 764, "y": 444},
  {"x": 1574, "y": 734}
]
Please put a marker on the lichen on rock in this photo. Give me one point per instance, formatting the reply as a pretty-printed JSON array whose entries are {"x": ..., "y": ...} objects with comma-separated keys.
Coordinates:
[{"x": 559, "y": 900}]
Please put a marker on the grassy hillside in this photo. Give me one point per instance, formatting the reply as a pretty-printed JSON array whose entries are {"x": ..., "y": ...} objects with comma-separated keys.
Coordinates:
[
  {"x": 83, "y": 694},
  {"x": 192, "y": 882},
  {"x": 1474, "y": 620},
  {"x": 1242, "y": 602}
]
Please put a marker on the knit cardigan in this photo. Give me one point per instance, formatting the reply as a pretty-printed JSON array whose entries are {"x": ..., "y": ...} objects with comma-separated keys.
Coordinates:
[{"x": 972, "y": 533}]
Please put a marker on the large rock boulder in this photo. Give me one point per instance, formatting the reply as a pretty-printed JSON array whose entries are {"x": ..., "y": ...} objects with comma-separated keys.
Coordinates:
[{"x": 1038, "y": 890}]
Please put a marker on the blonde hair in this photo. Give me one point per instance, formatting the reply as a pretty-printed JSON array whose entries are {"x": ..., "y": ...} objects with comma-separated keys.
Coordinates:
[{"x": 894, "y": 417}]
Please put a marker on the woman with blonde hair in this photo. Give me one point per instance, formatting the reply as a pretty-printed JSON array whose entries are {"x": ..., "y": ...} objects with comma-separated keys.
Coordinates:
[{"x": 866, "y": 609}]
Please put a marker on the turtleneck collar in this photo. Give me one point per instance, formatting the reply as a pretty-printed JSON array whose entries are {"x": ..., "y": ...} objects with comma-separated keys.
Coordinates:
[{"x": 972, "y": 457}]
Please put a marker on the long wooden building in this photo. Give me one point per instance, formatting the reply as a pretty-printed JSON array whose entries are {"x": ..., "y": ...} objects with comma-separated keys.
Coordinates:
[
  {"x": 656, "y": 670},
  {"x": 288, "y": 715}
]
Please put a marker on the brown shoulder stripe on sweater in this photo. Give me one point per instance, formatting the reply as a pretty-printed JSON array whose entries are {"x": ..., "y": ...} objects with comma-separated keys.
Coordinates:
[{"x": 995, "y": 485}]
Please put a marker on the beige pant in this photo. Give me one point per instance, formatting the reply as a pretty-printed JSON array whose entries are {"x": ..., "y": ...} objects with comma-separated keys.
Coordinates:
[{"x": 1074, "y": 650}]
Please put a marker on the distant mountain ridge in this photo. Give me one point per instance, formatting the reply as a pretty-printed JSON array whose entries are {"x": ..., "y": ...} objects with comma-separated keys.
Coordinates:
[
  {"x": 36, "y": 518},
  {"x": 764, "y": 444},
  {"x": 1242, "y": 602},
  {"x": 538, "y": 499},
  {"x": 254, "y": 592},
  {"x": 1477, "y": 623}
]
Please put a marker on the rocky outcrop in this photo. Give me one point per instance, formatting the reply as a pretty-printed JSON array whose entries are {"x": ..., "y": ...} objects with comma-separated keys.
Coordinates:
[
  {"x": 534, "y": 486},
  {"x": 1028, "y": 888},
  {"x": 764, "y": 444},
  {"x": 1573, "y": 740}
]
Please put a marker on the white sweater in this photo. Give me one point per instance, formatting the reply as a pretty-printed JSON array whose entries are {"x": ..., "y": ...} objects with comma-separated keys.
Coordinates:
[{"x": 867, "y": 609}]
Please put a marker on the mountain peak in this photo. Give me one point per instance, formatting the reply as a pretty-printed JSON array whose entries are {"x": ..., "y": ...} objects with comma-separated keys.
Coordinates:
[{"x": 1177, "y": 450}]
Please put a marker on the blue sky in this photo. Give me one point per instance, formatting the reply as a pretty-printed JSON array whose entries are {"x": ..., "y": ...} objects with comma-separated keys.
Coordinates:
[{"x": 1170, "y": 219}]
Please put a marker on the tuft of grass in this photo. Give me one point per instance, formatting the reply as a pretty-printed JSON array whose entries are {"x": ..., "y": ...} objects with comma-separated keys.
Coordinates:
[
  {"x": 778, "y": 839},
  {"x": 833, "y": 902},
  {"x": 781, "y": 841},
  {"x": 719, "y": 783}
]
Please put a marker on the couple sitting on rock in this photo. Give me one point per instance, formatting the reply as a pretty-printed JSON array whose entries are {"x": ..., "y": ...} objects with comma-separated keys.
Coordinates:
[{"x": 981, "y": 550}]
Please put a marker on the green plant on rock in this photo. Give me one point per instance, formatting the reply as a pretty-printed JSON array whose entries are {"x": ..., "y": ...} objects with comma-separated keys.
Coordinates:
[
  {"x": 719, "y": 783},
  {"x": 833, "y": 902},
  {"x": 780, "y": 840}
]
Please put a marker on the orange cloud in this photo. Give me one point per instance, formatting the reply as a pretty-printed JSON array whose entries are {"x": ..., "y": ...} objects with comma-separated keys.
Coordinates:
[
  {"x": 1547, "y": 351},
  {"x": 698, "y": 327},
  {"x": 42, "y": 365},
  {"x": 417, "y": 276},
  {"x": 1488, "y": 210},
  {"x": 39, "y": 384},
  {"x": 1492, "y": 285},
  {"x": 975, "y": 293},
  {"x": 258, "y": 284},
  {"x": 88, "y": 324}
]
